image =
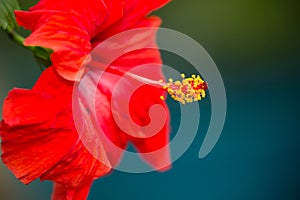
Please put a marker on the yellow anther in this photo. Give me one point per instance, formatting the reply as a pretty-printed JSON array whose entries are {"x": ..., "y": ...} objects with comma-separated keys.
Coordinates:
[
  {"x": 203, "y": 93},
  {"x": 177, "y": 83},
  {"x": 185, "y": 81},
  {"x": 162, "y": 97},
  {"x": 187, "y": 90}
]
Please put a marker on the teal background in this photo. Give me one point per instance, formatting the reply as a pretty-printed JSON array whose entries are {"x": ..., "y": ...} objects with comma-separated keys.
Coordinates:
[{"x": 256, "y": 47}]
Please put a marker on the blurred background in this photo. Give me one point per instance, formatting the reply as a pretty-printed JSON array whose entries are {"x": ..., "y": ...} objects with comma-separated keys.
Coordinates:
[{"x": 256, "y": 46}]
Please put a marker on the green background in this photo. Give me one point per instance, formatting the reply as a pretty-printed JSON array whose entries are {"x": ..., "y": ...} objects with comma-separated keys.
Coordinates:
[{"x": 256, "y": 47}]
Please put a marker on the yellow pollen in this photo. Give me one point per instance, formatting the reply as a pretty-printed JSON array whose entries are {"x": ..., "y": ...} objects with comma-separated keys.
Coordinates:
[
  {"x": 162, "y": 97},
  {"x": 187, "y": 90}
]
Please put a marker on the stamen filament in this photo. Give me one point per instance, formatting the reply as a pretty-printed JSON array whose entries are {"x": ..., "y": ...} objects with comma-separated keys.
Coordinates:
[{"x": 185, "y": 91}]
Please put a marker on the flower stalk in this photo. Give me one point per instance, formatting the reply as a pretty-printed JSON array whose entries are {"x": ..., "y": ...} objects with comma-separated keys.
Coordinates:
[
  {"x": 42, "y": 55},
  {"x": 16, "y": 37}
]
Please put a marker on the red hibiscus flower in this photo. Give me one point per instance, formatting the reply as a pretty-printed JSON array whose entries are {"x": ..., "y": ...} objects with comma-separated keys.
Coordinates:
[{"x": 40, "y": 137}]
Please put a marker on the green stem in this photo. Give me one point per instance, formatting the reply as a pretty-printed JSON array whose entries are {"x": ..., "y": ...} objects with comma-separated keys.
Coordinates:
[
  {"x": 16, "y": 37},
  {"x": 42, "y": 55}
]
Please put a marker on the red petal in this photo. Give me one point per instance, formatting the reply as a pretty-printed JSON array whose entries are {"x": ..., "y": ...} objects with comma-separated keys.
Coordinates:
[
  {"x": 71, "y": 43},
  {"x": 77, "y": 167},
  {"x": 139, "y": 106},
  {"x": 157, "y": 145},
  {"x": 29, "y": 152},
  {"x": 27, "y": 107},
  {"x": 141, "y": 101},
  {"x": 113, "y": 10},
  {"x": 39, "y": 138},
  {"x": 109, "y": 109},
  {"x": 66, "y": 28},
  {"x": 135, "y": 12},
  {"x": 61, "y": 192}
]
